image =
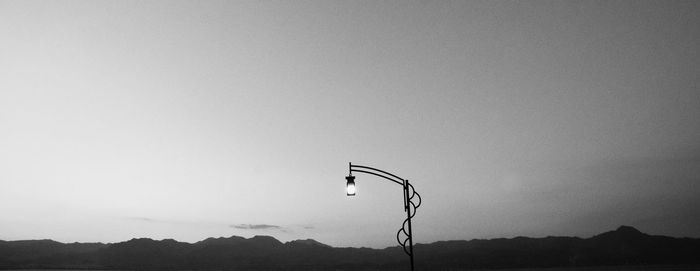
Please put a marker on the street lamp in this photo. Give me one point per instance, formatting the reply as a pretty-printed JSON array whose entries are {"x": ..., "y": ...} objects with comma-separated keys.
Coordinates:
[
  {"x": 351, "y": 185},
  {"x": 409, "y": 206}
]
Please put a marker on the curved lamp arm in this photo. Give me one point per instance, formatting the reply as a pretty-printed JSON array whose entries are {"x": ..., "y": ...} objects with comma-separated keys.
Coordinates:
[{"x": 376, "y": 172}]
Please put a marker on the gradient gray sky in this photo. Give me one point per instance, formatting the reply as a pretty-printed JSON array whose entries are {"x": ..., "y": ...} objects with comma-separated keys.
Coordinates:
[{"x": 194, "y": 119}]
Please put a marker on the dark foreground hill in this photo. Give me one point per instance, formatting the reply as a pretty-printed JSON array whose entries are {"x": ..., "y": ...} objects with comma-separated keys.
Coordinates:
[{"x": 624, "y": 246}]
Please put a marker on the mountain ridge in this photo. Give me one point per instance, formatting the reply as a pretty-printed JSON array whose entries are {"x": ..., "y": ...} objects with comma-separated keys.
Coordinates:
[
  {"x": 623, "y": 229},
  {"x": 623, "y": 246}
]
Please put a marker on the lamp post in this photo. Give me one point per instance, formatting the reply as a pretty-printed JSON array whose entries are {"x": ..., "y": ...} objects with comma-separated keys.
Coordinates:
[{"x": 408, "y": 205}]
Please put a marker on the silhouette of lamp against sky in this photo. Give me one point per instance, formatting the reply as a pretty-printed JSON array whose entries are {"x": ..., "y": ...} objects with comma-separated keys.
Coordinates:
[{"x": 408, "y": 204}]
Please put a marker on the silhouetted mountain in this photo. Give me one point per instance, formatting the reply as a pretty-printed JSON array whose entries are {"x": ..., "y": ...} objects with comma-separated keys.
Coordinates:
[
  {"x": 48, "y": 254},
  {"x": 146, "y": 254},
  {"x": 624, "y": 246},
  {"x": 307, "y": 242},
  {"x": 233, "y": 240}
]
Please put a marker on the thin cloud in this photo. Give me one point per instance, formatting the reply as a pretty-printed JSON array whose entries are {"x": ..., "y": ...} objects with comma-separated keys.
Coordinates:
[
  {"x": 256, "y": 227},
  {"x": 235, "y": 226},
  {"x": 144, "y": 219}
]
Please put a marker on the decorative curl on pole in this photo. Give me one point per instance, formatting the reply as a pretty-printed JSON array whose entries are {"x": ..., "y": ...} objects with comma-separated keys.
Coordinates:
[{"x": 410, "y": 207}]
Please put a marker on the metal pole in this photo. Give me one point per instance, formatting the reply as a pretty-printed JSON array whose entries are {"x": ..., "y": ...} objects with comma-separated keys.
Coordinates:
[{"x": 408, "y": 213}]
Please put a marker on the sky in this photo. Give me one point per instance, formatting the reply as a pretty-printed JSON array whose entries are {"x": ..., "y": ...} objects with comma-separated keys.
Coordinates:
[{"x": 196, "y": 119}]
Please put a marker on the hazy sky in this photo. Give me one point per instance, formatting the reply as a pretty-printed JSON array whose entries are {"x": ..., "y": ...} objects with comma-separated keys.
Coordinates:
[{"x": 195, "y": 119}]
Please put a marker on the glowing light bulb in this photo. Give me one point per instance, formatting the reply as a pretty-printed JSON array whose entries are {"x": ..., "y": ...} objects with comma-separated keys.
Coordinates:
[
  {"x": 351, "y": 185},
  {"x": 351, "y": 189}
]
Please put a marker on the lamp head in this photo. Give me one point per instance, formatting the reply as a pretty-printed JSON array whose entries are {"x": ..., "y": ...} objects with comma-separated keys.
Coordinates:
[{"x": 351, "y": 185}]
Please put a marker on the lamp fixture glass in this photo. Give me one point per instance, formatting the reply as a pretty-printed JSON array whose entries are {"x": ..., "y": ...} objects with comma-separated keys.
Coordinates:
[{"x": 351, "y": 185}]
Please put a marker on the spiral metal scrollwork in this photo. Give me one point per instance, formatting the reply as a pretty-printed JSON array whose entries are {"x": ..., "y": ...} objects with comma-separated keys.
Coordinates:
[{"x": 403, "y": 236}]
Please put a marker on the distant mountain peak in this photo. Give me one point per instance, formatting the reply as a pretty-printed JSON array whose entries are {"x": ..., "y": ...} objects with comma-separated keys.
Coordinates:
[
  {"x": 263, "y": 237},
  {"x": 265, "y": 240},
  {"x": 628, "y": 230},
  {"x": 142, "y": 239},
  {"x": 622, "y": 233},
  {"x": 233, "y": 237},
  {"x": 221, "y": 241},
  {"x": 309, "y": 242}
]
